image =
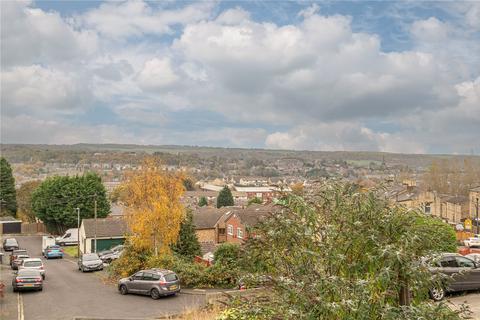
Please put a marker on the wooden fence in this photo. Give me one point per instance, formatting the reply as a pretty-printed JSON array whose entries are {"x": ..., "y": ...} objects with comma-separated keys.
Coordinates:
[{"x": 36, "y": 227}]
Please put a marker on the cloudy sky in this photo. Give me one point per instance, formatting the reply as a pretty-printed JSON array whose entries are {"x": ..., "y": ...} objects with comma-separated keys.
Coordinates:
[{"x": 380, "y": 76}]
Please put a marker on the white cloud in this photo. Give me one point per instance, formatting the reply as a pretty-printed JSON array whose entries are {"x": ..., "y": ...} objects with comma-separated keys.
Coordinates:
[
  {"x": 157, "y": 74},
  {"x": 30, "y": 35},
  {"x": 39, "y": 89},
  {"x": 120, "y": 20}
]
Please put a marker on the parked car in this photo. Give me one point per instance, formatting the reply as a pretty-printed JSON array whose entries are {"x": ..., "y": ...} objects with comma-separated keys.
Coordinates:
[
  {"x": 53, "y": 252},
  {"x": 116, "y": 249},
  {"x": 10, "y": 244},
  {"x": 19, "y": 260},
  {"x": 27, "y": 279},
  {"x": 153, "y": 282},
  {"x": 109, "y": 257},
  {"x": 90, "y": 262},
  {"x": 33, "y": 264},
  {"x": 70, "y": 238},
  {"x": 474, "y": 256},
  {"x": 472, "y": 242},
  {"x": 15, "y": 253},
  {"x": 463, "y": 272}
]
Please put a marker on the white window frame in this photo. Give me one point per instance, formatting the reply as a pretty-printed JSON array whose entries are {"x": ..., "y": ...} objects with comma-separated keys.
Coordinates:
[
  {"x": 230, "y": 230},
  {"x": 239, "y": 233}
]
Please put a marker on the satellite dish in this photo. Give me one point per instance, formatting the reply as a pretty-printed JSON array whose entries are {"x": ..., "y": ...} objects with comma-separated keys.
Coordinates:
[{"x": 459, "y": 227}]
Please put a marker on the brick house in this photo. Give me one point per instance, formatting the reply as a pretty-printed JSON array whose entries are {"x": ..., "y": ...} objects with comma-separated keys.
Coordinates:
[
  {"x": 239, "y": 221},
  {"x": 474, "y": 197},
  {"x": 208, "y": 226}
]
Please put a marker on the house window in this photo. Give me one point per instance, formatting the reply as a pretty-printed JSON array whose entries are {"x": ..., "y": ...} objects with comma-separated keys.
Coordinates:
[
  {"x": 428, "y": 207},
  {"x": 239, "y": 233},
  {"x": 221, "y": 231},
  {"x": 230, "y": 229}
]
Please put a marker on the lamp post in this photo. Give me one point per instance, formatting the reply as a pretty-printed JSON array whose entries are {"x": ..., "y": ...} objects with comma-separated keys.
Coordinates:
[
  {"x": 78, "y": 233},
  {"x": 95, "y": 227},
  {"x": 477, "y": 214}
]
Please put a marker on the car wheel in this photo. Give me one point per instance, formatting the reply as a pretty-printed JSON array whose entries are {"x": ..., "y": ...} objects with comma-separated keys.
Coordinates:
[
  {"x": 437, "y": 293},
  {"x": 43, "y": 277},
  {"x": 154, "y": 294},
  {"x": 123, "y": 289},
  {"x": 40, "y": 289},
  {"x": 14, "y": 289}
]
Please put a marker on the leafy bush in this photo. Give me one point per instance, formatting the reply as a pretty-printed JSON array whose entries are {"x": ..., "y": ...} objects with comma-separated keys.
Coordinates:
[
  {"x": 227, "y": 254},
  {"x": 129, "y": 262},
  {"x": 344, "y": 254}
]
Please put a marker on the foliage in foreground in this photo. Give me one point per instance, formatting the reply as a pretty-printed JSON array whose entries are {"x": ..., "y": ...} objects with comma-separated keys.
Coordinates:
[
  {"x": 344, "y": 255},
  {"x": 56, "y": 199}
]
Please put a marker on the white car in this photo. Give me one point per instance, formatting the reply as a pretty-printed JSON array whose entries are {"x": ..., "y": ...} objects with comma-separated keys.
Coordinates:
[
  {"x": 33, "y": 263},
  {"x": 472, "y": 242}
]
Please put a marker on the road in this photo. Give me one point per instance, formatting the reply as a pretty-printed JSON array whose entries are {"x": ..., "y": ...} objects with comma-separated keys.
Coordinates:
[{"x": 68, "y": 294}]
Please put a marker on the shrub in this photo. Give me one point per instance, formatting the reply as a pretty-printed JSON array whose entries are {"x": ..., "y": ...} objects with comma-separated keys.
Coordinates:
[
  {"x": 129, "y": 262},
  {"x": 227, "y": 254}
]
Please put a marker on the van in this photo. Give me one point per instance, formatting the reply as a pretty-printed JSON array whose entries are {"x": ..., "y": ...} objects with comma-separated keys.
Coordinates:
[
  {"x": 47, "y": 241},
  {"x": 69, "y": 238}
]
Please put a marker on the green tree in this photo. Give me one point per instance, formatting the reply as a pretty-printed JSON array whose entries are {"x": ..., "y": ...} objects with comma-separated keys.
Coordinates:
[
  {"x": 188, "y": 184},
  {"x": 187, "y": 244},
  {"x": 24, "y": 200},
  {"x": 225, "y": 198},
  {"x": 55, "y": 200},
  {"x": 255, "y": 200},
  {"x": 203, "y": 202},
  {"x": 8, "y": 196},
  {"x": 344, "y": 254}
]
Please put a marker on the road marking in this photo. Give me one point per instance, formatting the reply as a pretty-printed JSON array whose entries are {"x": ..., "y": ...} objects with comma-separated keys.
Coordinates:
[{"x": 20, "y": 307}]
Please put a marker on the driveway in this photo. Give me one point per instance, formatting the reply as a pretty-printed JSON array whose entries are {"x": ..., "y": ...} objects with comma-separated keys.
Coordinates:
[
  {"x": 471, "y": 299},
  {"x": 68, "y": 293}
]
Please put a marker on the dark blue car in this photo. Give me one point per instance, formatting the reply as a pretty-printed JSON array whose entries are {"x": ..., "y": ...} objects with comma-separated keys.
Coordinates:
[{"x": 53, "y": 252}]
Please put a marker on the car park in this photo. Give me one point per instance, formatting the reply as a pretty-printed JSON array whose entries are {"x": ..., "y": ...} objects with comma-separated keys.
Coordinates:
[
  {"x": 53, "y": 251},
  {"x": 90, "y": 262},
  {"x": 15, "y": 253},
  {"x": 10, "y": 244},
  {"x": 19, "y": 260},
  {"x": 152, "y": 282},
  {"x": 27, "y": 279},
  {"x": 462, "y": 274},
  {"x": 33, "y": 263}
]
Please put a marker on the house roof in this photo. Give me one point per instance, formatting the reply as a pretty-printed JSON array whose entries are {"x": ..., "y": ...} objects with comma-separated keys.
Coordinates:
[
  {"x": 8, "y": 219},
  {"x": 204, "y": 193},
  {"x": 207, "y": 217},
  {"x": 457, "y": 199},
  {"x": 254, "y": 213},
  {"x": 107, "y": 227}
]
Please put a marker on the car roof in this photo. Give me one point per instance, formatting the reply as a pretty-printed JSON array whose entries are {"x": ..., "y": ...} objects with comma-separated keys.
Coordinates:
[{"x": 19, "y": 250}]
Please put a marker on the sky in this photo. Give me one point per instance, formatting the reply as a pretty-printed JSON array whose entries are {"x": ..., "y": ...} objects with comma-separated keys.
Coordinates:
[{"x": 392, "y": 76}]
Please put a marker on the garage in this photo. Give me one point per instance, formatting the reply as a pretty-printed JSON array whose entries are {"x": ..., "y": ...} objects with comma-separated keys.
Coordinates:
[
  {"x": 109, "y": 232},
  {"x": 10, "y": 225},
  {"x": 105, "y": 244}
]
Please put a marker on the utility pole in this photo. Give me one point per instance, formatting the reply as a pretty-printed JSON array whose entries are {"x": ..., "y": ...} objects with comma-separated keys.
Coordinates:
[
  {"x": 95, "y": 227},
  {"x": 78, "y": 233},
  {"x": 477, "y": 214}
]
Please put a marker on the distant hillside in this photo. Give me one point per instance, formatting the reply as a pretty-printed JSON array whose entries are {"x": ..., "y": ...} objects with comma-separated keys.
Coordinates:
[{"x": 74, "y": 153}]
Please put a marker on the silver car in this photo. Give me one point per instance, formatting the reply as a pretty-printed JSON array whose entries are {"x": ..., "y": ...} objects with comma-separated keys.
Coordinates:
[
  {"x": 33, "y": 263},
  {"x": 152, "y": 282},
  {"x": 90, "y": 262}
]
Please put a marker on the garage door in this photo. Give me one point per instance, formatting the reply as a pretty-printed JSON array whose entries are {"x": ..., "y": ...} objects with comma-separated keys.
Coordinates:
[{"x": 105, "y": 244}]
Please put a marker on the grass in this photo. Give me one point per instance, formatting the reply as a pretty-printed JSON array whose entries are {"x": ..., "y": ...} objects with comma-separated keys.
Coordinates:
[
  {"x": 209, "y": 313},
  {"x": 71, "y": 251}
]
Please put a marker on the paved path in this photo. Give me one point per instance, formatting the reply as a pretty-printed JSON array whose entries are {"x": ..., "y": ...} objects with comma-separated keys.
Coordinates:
[{"x": 68, "y": 293}]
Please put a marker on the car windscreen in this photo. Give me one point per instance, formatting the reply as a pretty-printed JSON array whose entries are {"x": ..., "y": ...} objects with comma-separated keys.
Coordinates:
[
  {"x": 90, "y": 257},
  {"x": 11, "y": 242},
  {"x": 169, "y": 277},
  {"x": 53, "y": 247},
  {"x": 28, "y": 273},
  {"x": 32, "y": 264}
]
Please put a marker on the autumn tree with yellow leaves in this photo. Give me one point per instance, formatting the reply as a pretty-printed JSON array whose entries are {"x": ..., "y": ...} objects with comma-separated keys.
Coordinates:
[{"x": 155, "y": 212}]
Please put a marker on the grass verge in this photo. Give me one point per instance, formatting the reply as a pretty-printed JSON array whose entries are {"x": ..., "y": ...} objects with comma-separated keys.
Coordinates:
[{"x": 71, "y": 251}]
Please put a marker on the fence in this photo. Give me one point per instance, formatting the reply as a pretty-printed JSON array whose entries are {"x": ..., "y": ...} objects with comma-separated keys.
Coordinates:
[{"x": 36, "y": 227}]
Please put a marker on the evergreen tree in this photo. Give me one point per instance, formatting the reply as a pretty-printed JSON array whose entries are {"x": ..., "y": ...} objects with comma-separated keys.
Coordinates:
[
  {"x": 187, "y": 245},
  {"x": 8, "y": 196},
  {"x": 225, "y": 198},
  {"x": 55, "y": 200},
  {"x": 203, "y": 202}
]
